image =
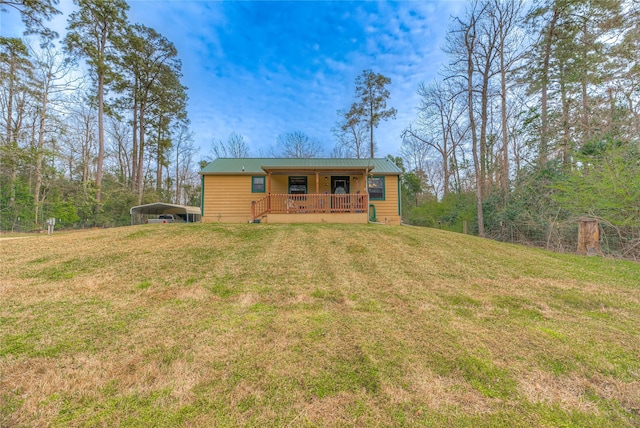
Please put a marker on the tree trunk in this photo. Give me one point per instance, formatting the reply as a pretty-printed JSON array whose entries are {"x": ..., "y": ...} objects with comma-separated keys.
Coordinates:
[
  {"x": 13, "y": 149},
  {"x": 484, "y": 121},
  {"x": 159, "y": 166},
  {"x": 583, "y": 85},
  {"x": 103, "y": 44},
  {"x": 516, "y": 156},
  {"x": 178, "y": 181},
  {"x": 504, "y": 182},
  {"x": 371, "y": 126},
  {"x": 100, "y": 159},
  {"x": 39, "y": 147},
  {"x": 636, "y": 118},
  {"x": 543, "y": 149},
  {"x": 134, "y": 151},
  {"x": 159, "y": 159},
  {"x": 141, "y": 155},
  {"x": 489, "y": 41},
  {"x": 446, "y": 137},
  {"x": 566, "y": 130},
  {"x": 10, "y": 104},
  {"x": 472, "y": 124},
  {"x": 86, "y": 150},
  {"x": 456, "y": 171}
]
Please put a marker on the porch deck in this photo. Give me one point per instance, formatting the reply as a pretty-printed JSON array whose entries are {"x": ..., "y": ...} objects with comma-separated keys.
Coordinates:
[{"x": 324, "y": 203}]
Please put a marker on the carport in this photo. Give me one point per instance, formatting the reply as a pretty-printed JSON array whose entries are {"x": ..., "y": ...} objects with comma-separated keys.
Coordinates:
[{"x": 186, "y": 213}]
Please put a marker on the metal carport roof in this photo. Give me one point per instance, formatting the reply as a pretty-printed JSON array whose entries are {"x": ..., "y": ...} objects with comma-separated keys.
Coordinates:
[{"x": 164, "y": 208}]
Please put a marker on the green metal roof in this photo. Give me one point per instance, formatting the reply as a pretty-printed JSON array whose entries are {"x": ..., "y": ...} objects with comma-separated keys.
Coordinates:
[{"x": 257, "y": 166}]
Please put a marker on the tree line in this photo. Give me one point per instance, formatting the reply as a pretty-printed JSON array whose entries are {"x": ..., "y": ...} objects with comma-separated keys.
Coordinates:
[
  {"x": 533, "y": 123},
  {"x": 93, "y": 123}
]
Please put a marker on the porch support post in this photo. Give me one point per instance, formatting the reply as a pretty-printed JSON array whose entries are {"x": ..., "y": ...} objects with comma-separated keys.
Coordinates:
[
  {"x": 268, "y": 191},
  {"x": 317, "y": 182},
  {"x": 366, "y": 192}
]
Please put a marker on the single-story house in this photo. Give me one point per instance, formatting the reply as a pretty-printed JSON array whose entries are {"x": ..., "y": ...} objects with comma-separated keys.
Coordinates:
[{"x": 313, "y": 190}]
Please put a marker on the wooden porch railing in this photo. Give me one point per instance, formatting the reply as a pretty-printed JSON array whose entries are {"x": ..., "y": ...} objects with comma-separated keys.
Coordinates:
[
  {"x": 309, "y": 203},
  {"x": 260, "y": 207}
]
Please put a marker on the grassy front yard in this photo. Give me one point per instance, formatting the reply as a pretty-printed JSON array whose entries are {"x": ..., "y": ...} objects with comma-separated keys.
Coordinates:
[{"x": 312, "y": 325}]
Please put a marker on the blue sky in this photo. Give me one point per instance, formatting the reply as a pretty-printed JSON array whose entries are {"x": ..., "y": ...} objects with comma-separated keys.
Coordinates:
[{"x": 263, "y": 68}]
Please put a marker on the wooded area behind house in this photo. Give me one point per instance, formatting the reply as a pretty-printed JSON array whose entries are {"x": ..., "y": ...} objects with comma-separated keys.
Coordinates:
[
  {"x": 91, "y": 124},
  {"x": 533, "y": 125}
]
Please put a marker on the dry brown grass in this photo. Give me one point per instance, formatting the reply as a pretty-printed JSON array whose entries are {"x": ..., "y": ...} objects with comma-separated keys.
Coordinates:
[{"x": 312, "y": 325}]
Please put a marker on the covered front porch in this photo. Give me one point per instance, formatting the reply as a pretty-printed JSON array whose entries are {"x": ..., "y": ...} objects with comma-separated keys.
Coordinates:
[{"x": 329, "y": 195}]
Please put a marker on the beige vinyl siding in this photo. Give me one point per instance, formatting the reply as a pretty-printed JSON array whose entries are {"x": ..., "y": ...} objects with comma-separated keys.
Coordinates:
[
  {"x": 280, "y": 184},
  {"x": 387, "y": 210},
  {"x": 228, "y": 198}
]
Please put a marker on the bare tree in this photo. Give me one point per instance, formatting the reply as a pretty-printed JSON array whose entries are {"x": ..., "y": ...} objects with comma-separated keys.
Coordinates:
[
  {"x": 15, "y": 79},
  {"x": 52, "y": 78},
  {"x": 184, "y": 152},
  {"x": 235, "y": 147},
  {"x": 350, "y": 138},
  {"x": 507, "y": 15},
  {"x": 120, "y": 136},
  {"x": 440, "y": 126},
  {"x": 79, "y": 144},
  {"x": 297, "y": 144},
  {"x": 471, "y": 56}
]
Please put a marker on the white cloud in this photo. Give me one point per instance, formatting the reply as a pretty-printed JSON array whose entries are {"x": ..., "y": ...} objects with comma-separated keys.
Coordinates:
[{"x": 265, "y": 68}]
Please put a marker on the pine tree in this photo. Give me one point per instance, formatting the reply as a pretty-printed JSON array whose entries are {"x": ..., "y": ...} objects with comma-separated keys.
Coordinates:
[
  {"x": 92, "y": 30},
  {"x": 370, "y": 106}
]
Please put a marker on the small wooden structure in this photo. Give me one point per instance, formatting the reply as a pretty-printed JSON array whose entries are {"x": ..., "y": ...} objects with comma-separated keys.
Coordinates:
[{"x": 589, "y": 237}]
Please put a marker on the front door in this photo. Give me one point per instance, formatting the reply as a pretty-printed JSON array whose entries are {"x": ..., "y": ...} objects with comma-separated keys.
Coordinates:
[
  {"x": 339, "y": 185},
  {"x": 340, "y": 188}
]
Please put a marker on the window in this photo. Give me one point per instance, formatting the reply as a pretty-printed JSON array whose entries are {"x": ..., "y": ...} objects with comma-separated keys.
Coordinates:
[
  {"x": 376, "y": 188},
  {"x": 297, "y": 185},
  {"x": 258, "y": 184}
]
